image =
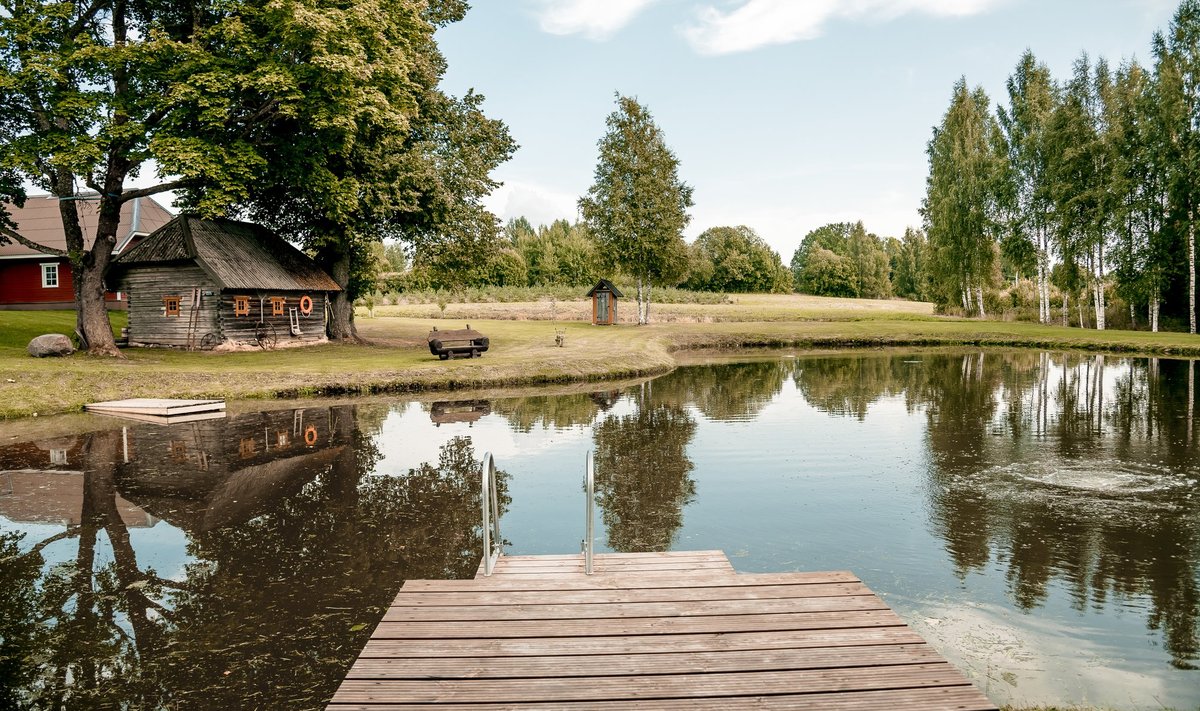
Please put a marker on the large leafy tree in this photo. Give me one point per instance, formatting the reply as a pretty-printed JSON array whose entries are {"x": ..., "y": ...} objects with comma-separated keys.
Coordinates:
[
  {"x": 318, "y": 118},
  {"x": 842, "y": 259},
  {"x": 967, "y": 169},
  {"x": 736, "y": 259},
  {"x": 1177, "y": 55},
  {"x": 1079, "y": 176},
  {"x": 1032, "y": 98},
  {"x": 94, "y": 93},
  {"x": 637, "y": 206}
]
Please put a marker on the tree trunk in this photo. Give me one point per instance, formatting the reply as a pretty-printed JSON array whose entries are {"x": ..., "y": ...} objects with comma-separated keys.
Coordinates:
[
  {"x": 88, "y": 265},
  {"x": 1066, "y": 312},
  {"x": 1079, "y": 308},
  {"x": 640, "y": 304},
  {"x": 647, "y": 303},
  {"x": 1101, "y": 306},
  {"x": 1191, "y": 270},
  {"x": 979, "y": 294},
  {"x": 1154, "y": 310},
  {"x": 341, "y": 307}
]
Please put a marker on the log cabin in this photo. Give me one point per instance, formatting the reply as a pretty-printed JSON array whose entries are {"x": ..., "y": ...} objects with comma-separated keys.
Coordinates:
[{"x": 199, "y": 283}]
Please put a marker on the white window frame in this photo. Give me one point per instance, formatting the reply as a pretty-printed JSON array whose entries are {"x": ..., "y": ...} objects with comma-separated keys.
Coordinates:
[{"x": 47, "y": 271}]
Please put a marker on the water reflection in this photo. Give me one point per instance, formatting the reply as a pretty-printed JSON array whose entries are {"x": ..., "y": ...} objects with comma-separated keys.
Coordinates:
[
  {"x": 1111, "y": 514},
  {"x": 293, "y": 552},
  {"x": 1036, "y": 515},
  {"x": 642, "y": 467}
]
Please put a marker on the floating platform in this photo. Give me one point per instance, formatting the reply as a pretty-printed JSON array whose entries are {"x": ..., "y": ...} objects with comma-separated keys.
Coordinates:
[
  {"x": 160, "y": 410},
  {"x": 676, "y": 630}
]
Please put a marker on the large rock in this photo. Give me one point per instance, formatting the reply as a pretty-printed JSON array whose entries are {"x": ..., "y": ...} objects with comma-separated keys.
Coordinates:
[{"x": 51, "y": 344}]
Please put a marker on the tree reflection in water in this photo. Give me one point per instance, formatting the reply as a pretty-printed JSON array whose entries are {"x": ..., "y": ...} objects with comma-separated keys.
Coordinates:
[
  {"x": 271, "y": 609},
  {"x": 1064, "y": 471},
  {"x": 642, "y": 481}
]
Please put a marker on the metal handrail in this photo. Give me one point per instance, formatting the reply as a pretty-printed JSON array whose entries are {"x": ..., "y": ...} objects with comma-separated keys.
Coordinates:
[
  {"x": 493, "y": 544},
  {"x": 589, "y": 488}
]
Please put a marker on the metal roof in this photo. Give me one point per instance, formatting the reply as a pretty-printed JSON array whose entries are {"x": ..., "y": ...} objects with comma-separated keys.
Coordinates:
[
  {"x": 41, "y": 222},
  {"x": 237, "y": 255}
]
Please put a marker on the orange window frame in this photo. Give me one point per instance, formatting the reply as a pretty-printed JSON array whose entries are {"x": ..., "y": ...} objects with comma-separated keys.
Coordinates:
[
  {"x": 241, "y": 306},
  {"x": 171, "y": 305},
  {"x": 277, "y": 303}
]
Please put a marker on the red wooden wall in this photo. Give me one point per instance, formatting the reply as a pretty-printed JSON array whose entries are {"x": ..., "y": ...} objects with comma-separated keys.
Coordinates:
[{"x": 21, "y": 283}]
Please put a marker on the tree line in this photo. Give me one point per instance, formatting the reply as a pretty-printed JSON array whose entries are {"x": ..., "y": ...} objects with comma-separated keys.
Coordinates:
[{"x": 1086, "y": 185}]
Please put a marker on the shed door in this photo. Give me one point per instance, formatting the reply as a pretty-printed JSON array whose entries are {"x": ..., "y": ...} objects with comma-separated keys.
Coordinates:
[{"x": 603, "y": 307}]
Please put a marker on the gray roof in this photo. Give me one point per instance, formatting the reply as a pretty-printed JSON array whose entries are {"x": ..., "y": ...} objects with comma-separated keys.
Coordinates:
[
  {"x": 41, "y": 222},
  {"x": 237, "y": 255},
  {"x": 605, "y": 285}
]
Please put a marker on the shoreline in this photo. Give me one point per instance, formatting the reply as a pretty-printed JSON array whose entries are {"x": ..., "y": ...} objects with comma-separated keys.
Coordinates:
[{"x": 395, "y": 359}]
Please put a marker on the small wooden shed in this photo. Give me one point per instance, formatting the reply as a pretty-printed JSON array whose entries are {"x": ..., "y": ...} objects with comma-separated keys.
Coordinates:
[
  {"x": 604, "y": 303},
  {"x": 198, "y": 283}
]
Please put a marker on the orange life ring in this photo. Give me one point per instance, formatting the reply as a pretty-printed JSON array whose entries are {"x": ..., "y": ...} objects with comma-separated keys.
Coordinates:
[
  {"x": 306, "y": 304},
  {"x": 310, "y": 435}
]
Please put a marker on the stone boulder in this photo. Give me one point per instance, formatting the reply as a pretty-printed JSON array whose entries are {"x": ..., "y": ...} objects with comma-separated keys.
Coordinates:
[{"x": 51, "y": 344}]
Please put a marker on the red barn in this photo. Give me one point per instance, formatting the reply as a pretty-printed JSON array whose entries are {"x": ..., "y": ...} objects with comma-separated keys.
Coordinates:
[{"x": 33, "y": 280}]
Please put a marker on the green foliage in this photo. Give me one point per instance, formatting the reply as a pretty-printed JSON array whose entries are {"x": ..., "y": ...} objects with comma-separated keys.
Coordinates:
[
  {"x": 559, "y": 253},
  {"x": 842, "y": 259},
  {"x": 826, "y": 273},
  {"x": 964, "y": 194},
  {"x": 910, "y": 270},
  {"x": 637, "y": 206},
  {"x": 735, "y": 259}
]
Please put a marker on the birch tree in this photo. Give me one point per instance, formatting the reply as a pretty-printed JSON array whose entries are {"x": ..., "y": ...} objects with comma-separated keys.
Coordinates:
[
  {"x": 637, "y": 206},
  {"x": 1032, "y": 97},
  {"x": 967, "y": 163}
]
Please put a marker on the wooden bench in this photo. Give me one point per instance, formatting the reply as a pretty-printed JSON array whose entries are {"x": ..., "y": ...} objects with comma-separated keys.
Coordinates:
[{"x": 466, "y": 342}]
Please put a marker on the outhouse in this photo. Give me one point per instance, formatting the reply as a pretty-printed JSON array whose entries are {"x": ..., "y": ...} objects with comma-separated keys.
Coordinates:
[{"x": 604, "y": 303}]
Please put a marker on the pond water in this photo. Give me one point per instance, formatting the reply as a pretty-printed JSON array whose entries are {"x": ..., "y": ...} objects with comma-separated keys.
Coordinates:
[{"x": 1035, "y": 515}]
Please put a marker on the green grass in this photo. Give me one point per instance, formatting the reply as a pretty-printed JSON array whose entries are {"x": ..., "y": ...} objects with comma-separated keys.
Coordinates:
[
  {"x": 523, "y": 351},
  {"x": 18, "y": 328}
]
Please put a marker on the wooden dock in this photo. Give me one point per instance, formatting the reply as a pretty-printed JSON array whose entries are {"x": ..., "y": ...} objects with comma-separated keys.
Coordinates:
[{"x": 677, "y": 630}]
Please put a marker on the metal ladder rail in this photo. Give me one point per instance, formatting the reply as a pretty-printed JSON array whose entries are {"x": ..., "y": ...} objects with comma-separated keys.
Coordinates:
[
  {"x": 493, "y": 544},
  {"x": 589, "y": 538}
]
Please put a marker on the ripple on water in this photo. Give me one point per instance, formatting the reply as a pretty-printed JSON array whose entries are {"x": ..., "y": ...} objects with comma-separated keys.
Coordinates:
[{"x": 1110, "y": 480}]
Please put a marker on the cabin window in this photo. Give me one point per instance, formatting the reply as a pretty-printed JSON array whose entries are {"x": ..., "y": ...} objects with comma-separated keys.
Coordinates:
[
  {"x": 171, "y": 305},
  {"x": 58, "y": 457},
  {"x": 50, "y": 276},
  {"x": 277, "y": 303},
  {"x": 247, "y": 447},
  {"x": 241, "y": 306}
]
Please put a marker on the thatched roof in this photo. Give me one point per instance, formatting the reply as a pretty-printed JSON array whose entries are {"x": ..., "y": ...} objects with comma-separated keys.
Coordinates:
[{"x": 237, "y": 255}]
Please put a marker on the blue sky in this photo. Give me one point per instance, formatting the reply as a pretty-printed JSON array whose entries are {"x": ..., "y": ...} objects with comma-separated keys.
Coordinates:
[{"x": 785, "y": 114}]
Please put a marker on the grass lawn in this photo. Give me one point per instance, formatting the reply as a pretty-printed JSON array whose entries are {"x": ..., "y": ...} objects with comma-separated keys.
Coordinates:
[{"x": 522, "y": 351}]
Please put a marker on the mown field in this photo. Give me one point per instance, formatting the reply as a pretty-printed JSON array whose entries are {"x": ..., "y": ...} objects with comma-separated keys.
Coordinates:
[{"x": 396, "y": 359}]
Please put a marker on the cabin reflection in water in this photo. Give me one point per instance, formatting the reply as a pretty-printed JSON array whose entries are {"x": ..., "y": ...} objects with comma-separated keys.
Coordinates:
[
  {"x": 42, "y": 482},
  {"x": 198, "y": 476}
]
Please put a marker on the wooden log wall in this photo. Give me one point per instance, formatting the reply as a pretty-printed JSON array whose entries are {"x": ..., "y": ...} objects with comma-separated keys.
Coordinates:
[
  {"x": 241, "y": 329},
  {"x": 148, "y": 322}
]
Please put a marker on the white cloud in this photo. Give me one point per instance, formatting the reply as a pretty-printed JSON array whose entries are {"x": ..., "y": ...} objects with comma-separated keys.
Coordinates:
[
  {"x": 594, "y": 19},
  {"x": 757, "y": 23},
  {"x": 538, "y": 204}
]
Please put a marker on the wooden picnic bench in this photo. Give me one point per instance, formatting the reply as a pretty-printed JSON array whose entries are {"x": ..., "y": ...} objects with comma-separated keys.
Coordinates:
[{"x": 464, "y": 341}]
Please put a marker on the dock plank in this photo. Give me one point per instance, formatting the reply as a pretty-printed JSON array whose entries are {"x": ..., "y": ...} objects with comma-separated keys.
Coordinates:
[
  {"x": 640, "y": 644},
  {"x": 681, "y": 630},
  {"x": 945, "y": 698},
  {"x": 629, "y": 664}
]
